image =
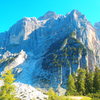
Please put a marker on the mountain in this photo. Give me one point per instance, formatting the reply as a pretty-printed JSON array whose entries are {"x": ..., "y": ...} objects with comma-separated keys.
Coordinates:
[
  {"x": 97, "y": 27},
  {"x": 35, "y": 48}
]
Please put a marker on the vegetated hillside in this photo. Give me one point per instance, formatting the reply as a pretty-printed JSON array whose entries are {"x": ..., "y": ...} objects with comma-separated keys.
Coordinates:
[{"x": 63, "y": 58}]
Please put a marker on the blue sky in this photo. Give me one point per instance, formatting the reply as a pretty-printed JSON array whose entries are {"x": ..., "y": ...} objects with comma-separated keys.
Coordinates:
[{"x": 13, "y": 10}]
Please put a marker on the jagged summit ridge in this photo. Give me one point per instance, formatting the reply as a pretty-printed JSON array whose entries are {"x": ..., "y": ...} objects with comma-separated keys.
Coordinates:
[
  {"x": 75, "y": 14},
  {"x": 34, "y": 30},
  {"x": 48, "y": 15}
]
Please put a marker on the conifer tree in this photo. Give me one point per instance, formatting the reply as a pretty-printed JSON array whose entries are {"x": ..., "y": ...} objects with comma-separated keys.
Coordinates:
[
  {"x": 71, "y": 85},
  {"x": 81, "y": 81},
  {"x": 7, "y": 90},
  {"x": 96, "y": 81},
  {"x": 89, "y": 82}
]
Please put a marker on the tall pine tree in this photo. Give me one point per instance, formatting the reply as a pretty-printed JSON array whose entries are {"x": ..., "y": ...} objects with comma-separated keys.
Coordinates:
[
  {"x": 81, "y": 81},
  {"x": 71, "y": 88},
  {"x": 96, "y": 81},
  {"x": 89, "y": 82}
]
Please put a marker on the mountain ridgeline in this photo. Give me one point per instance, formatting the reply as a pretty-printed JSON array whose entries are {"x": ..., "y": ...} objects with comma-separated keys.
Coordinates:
[{"x": 43, "y": 52}]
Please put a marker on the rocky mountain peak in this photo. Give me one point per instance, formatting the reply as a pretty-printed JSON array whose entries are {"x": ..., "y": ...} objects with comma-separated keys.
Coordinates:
[
  {"x": 75, "y": 12},
  {"x": 48, "y": 15},
  {"x": 22, "y": 29},
  {"x": 76, "y": 15}
]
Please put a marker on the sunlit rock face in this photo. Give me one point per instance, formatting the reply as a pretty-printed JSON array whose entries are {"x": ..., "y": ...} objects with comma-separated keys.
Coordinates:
[
  {"x": 97, "y": 29},
  {"x": 17, "y": 61},
  {"x": 23, "y": 29},
  {"x": 36, "y": 36}
]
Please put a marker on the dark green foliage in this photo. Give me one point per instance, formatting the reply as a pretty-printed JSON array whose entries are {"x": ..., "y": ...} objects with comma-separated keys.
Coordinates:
[
  {"x": 86, "y": 82},
  {"x": 64, "y": 53},
  {"x": 96, "y": 81},
  {"x": 89, "y": 82},
  {"x": 80, "y": 84}
]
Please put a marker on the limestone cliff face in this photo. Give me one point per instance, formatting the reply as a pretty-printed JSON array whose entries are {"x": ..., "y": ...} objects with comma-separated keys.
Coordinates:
[
  {"x": 97, "y": 28},
  {"x": 22, "y": 29},
  {"x": 37, "y": 36}
]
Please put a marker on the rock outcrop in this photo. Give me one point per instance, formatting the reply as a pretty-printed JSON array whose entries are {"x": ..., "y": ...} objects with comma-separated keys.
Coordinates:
[{"x": 27, "y": 92}]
